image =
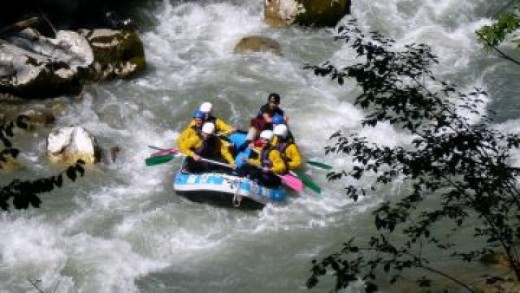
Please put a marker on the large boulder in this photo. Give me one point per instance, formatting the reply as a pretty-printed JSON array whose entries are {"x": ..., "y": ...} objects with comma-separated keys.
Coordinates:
[
  {"x": 257, "y": 44},
  {"x": 305, "y": 12},
  {"x": 68, "y": 144},
  {"x": 35, "y": 66},
  {"x": 117, "y": 53},
  {"x": 32, "y": 64}
]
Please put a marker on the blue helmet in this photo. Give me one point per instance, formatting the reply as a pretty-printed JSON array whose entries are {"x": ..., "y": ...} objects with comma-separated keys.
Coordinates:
[
  {"x": 278, "y": 119},
  {"x": 199, "y": 115}
]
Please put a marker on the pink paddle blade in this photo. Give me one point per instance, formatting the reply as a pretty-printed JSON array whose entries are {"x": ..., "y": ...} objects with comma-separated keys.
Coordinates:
[
  {"x": 292, "y": 182},
  {"x": 164, "y": 152}
]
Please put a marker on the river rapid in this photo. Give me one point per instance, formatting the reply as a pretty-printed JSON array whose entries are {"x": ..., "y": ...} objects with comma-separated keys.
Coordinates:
[{"x": 121, "y": 228}]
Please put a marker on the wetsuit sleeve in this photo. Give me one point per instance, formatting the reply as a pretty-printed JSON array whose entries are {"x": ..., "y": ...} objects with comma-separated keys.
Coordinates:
[
  {"x": 278, "y": 164},
  {"x": 226, "y": 154},
  {"x": 223, "y": 126},
  {"x": 294, "y": 158},
  {"x": 186, "y": 146},
  {"x": 185, "y": 134}
]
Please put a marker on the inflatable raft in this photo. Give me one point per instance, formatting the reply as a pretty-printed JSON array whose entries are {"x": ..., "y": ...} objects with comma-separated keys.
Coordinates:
[{"x": 227, "y": 190}]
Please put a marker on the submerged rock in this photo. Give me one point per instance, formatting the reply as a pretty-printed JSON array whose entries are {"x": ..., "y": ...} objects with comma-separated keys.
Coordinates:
[{"x": 258, "y": 44}]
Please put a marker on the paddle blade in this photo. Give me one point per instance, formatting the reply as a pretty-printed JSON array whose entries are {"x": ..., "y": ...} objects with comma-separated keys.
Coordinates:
[
  {"x": 292, "y": 182},
  {"x": 165, "y": 152},
  {"x": 319, "y": 164},
  {"x": 152, "y": 161},
  {"x": 308, "y": 182}
]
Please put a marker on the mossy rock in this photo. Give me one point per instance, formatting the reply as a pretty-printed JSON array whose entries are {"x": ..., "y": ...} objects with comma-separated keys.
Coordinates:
[
  {"x": 319, "y": 13},
  {"x": 323, "y": 12}
]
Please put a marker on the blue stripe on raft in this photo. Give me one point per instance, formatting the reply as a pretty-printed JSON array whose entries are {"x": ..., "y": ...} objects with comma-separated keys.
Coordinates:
[
  {"x": 278, "y": 194},
  {"x": 244, "y": 185},
  {"x": 218, "y": 180},
  {"x": 181, "y": 178}
]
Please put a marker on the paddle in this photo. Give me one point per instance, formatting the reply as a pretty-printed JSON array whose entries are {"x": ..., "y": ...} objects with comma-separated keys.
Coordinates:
[
  {"x": 319, "y": 164},
  {"x": 293, "y": 182},
  {"x": 152, "y": 161},
  {"x": 307, "y": 181},
  {"x": 162, "y": 152},
  {"x": 290, "y": 181}
]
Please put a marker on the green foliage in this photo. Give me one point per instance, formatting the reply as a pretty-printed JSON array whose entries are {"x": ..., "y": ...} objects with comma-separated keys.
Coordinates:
[
  {"x": 492, "y": 35},
  {"x": 25, "y": 193},
  {"x": 463, "y": 166}
]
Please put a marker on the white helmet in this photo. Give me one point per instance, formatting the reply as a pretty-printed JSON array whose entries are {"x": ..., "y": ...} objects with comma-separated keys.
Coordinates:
[
  {"x": 208, "y": 128},
  {"x": 206, "y": 107},
  {"x": 267, "y": 134},
  {"x": 281, "y": 130}
]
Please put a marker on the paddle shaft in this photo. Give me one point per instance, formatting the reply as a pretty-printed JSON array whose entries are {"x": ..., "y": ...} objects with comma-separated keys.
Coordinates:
[
  {"x": 211, "y": 161},
  {"x": 319, "y": 164}
]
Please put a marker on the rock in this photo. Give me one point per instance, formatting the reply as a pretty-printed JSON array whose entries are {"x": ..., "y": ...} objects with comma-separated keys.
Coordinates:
[
  {"x": 505, "y": 286},
  {"x": 496, "y": 258},
  {"x": 38, "y": 117},
  {"x": 257, "y": 44},
  {"x": 32, "y": 115},
  {"x": 114, "y": 151},
  {"x": 68, "y": 144},
  {"x": 10, "y": 163},
  {"x": 35, "y": 66},
  {"x": 305, "y": 12},
  {"x": 117, "y": 53}
]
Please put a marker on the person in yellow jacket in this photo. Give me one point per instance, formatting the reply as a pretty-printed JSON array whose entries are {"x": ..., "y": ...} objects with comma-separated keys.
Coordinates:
[
  {"x": 205, "y": 145},
  {"x": 265, "y": 163},
  {"x": 284, "y": 142},
  {"x": 193, "y": 128}
]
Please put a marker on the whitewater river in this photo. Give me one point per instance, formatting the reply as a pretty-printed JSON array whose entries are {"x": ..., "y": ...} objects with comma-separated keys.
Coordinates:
[{"x": 122, "y": 229}]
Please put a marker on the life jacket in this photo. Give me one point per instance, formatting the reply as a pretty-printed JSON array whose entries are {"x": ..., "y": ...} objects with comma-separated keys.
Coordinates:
[
  {"x": 281, "y": 147},
  {"x": 266, "y": 109},
  {"x": 264, "y": 157},
  {"x": 211, "y": 119},
  {"x": 208, "y": 145},
  {"x": 197, "y": 130}
]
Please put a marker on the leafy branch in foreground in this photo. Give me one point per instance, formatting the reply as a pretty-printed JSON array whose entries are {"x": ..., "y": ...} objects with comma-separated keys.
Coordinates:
[
  {"x": 25, "y": 193},
  {"x": 506, "y": 23},
  {"x": 457, "y": 173}
]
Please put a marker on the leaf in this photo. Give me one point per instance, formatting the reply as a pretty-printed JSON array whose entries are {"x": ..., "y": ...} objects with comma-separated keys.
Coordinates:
[
  {"x": 71, "y": 173},
  {"x": 34, "y": 200},
  {"x": 371, "y": 287},
  {"x": 80, "y": 169},
  {"x": 58, "y": 180},
  {"x": 21, "y": 202}
]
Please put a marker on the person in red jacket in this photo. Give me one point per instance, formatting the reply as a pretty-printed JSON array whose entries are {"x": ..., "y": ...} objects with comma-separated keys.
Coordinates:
[{"x": 264, "y": 119}]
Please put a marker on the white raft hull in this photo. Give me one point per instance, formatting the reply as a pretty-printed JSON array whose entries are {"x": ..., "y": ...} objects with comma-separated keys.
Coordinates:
[{"x": 226, "y": 190}]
